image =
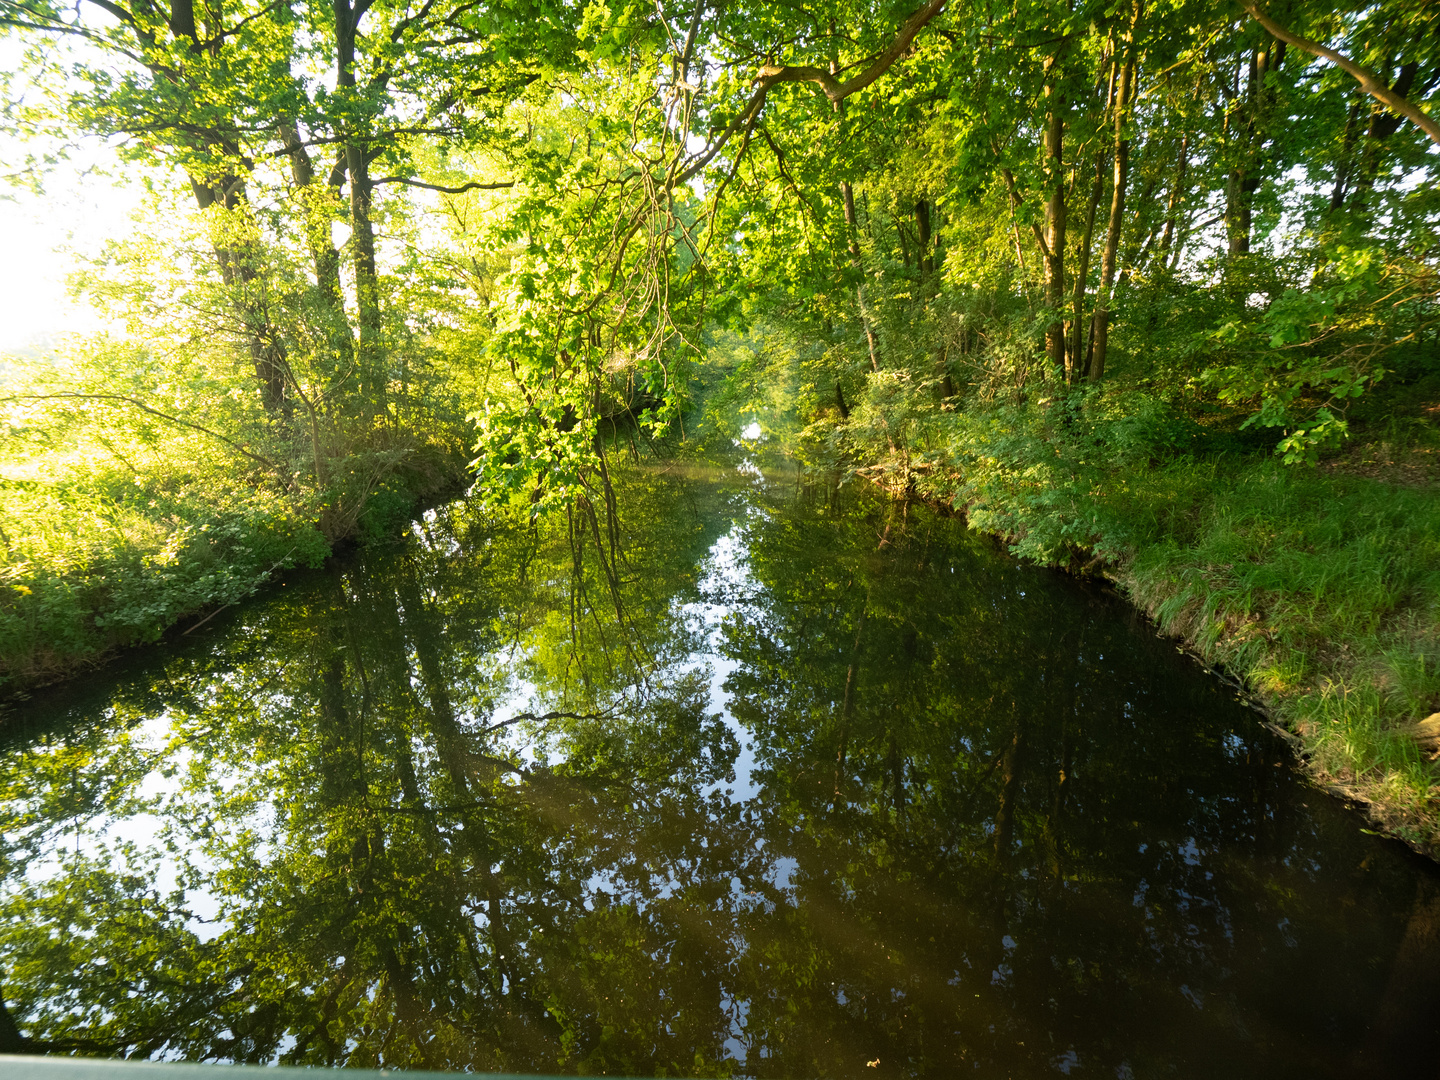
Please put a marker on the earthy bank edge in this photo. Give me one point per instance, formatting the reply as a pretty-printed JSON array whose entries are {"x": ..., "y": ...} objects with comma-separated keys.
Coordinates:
[{"x": 1315, "y": 592}]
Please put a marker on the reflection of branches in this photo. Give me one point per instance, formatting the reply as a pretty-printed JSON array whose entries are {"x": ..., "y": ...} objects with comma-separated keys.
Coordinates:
[{"x": 541, "y": 717}]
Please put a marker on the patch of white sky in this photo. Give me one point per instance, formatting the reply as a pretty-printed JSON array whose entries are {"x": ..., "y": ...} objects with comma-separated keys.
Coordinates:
[
  {"x": 133, "y": 842},
  {"x": 86, "y": 200}
]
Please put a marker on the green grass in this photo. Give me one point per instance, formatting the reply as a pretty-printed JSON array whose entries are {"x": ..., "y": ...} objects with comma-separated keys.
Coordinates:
[{"x": 1323, "y": 592}]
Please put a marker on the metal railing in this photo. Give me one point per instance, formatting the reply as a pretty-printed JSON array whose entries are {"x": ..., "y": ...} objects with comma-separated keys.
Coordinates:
[{"x": 17, "y": 1067}]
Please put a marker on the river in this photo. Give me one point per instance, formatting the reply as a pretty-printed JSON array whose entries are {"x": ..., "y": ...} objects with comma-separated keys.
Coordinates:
[{"x": 751, "y": 776}]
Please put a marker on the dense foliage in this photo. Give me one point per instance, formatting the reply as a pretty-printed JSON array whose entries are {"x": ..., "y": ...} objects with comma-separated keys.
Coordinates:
[{"x": 952, "y": 206}]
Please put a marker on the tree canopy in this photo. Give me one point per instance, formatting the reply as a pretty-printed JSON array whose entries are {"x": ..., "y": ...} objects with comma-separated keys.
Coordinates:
[{"x": 570, "y": 198}]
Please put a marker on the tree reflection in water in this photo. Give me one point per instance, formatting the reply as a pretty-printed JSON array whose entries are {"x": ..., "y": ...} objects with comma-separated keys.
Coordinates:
[{"x": 766, "y": 782}]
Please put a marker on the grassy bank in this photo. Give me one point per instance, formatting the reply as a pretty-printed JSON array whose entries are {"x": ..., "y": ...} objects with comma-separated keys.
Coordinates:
[
  {"x": 1317, "y": 587},
  {"x": 1322, "y": 592},
  {"x": 123, "y": 515},
  {"x": 89, "y": 569}
]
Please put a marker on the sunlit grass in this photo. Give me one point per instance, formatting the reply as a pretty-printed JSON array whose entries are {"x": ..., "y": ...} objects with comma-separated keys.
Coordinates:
[
  {"x": 107, "y": 542},
  {"x": 1323, "y": 592}
]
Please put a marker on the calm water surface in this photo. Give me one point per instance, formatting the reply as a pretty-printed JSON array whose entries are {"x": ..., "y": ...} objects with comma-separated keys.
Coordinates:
[{"x": 767, "y": 780}]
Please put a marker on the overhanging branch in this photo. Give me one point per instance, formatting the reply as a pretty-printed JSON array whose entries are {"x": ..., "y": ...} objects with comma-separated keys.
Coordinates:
[
  {"x": 126, "y": 399},
  {"x": 835, "y": 90},
  {"x": 838, "y": 91},
  {"x": 1371, "y": 83},
  {"x": 472, "y": 186}
]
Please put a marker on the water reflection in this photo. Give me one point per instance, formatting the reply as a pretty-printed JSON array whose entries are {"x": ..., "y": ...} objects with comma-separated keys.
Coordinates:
[{"x": 748, "y": 779}]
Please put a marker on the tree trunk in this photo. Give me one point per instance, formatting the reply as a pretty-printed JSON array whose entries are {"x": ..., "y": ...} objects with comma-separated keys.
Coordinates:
[
  {"x": 1124, "y": 96},
  {"x": 1074, "y": 370},
  {"x": 847, "y": 194},
  {"x": 922, "y": 230},
  {"x": 1130, "y": 258},
  {"x": 373, "y": 383},
  {"x": 1383, "y": 124},
  {"x": 315, "y": 209},
  {"x": 1346, "y": 161},
  {"x": 1055, "y": 221},
  {"x": 1248, "y": 169},
  {"x": 237, "y": 259},
  {"x": 1172, "y": 204}
]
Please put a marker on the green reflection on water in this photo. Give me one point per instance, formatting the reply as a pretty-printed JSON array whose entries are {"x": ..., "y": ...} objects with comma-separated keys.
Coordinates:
[{"x": 827, "y": 783}]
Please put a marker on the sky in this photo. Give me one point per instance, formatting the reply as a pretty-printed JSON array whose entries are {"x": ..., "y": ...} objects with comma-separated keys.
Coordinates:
[
  {"x": 37, "y": 231},
  {"x": 80, "y": 209}
]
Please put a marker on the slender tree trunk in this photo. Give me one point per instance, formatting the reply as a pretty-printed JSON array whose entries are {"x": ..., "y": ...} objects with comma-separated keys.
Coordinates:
[
  {"x": 315, "y": 207},
  {"x": 1237, "y": 217},
  {"x": 1074, "y": 354},
  {"x": 1130, "y": 256},
  {"x": 1015, "y": 203},
  {"x": 1172, "y": 204},
  {"x": 367, "y": 278},
  {"x": 847, "y": 194},
  {"x": 1345, "y": 163},
  {"x": 1248, "y": 170},
  {"x": 236, "y": 253},
  {"x": 1383, "y": 124},
  {"x": 1055, "y": 219},
  {"x": 922, "y": 230},
  {"x": 852, "y": 229},
  {"x": 362, "y": 229},
  {"x": 1120, "y": 179},
  {"x": 237, "y": 256}
]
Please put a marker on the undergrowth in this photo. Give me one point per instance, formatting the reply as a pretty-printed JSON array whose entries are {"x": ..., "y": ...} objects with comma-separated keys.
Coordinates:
[{"x": 118, "y": 519}]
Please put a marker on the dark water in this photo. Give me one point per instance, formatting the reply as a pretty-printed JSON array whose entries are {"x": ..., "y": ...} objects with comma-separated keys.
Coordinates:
[{"x": 834, "y": 790}]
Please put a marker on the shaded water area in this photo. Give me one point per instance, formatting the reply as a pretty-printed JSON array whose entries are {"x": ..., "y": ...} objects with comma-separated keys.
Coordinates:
[{"x": 750, "y": 777}]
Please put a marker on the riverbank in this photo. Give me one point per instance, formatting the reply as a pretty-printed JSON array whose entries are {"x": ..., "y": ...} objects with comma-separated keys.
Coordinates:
[
  {"x": 111, "y": 557},
  {"x": 1317, "y": 589}
]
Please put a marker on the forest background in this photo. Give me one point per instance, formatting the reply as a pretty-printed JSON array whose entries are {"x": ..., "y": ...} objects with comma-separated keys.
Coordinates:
[{"x": 1145, "y": 288}]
